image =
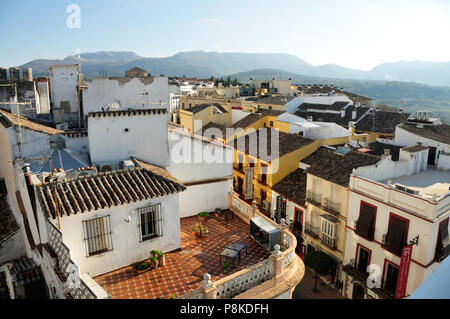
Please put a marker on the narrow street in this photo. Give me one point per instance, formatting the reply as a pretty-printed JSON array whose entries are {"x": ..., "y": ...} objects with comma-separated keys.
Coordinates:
[{"x": 304, "y": 290}]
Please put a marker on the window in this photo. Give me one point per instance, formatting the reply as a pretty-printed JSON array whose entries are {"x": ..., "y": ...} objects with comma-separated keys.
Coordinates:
[
  {"x": 126, "y": 130},
  {"x": 271, "y": 123},
  {"x": 390, "y": 277},
  {"x": 97, "y": 235},
  {"x": 443, "y": 242},
  {"x": 264, "y": 173},
  {"x": 365, "y": 225},
  {"x": 329, "y": 231},
  {"x": 150, "y": 222},
  {"x": 298, "y": 220},
  {"x": 251, "y": 162},
  {"x": 397, "y": 234},
  {"x": 362, "y": 259},
  {"x": 240, "y": 162}
]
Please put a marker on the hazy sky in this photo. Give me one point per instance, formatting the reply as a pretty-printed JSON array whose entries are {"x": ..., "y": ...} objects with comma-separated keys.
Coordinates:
[{"x": 352, "y": 33}]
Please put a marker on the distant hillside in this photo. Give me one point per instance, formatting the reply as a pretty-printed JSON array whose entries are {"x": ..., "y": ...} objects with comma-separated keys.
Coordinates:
[
  {"x": 205, "y": 64},
  {"x": 411, "y": 97}
]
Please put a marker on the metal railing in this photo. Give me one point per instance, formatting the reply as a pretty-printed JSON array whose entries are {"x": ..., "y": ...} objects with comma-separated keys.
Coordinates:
[
  {"x": 314, "y": 198},
  {"x": 328, "y": 241},
  {"x": 332, "y": 206},
  {"x": 311, "y": 230}
]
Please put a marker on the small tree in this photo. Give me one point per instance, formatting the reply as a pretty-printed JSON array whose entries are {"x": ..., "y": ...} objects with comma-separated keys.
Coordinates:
[
  {"x": 235, "y": 82},
  {"x": 228, "y": 81},
  {"x": 319, "y": 262}
]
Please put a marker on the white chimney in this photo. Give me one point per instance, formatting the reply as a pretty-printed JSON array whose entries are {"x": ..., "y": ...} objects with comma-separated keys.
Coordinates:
[{"x": 354, "y": 114}]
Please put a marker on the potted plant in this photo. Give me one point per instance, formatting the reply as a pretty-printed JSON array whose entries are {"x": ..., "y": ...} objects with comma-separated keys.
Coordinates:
[
  {"x": 204, "y": 231},
  {"x": 154, "y": 261},
  {"x": 225, "y": 265},
  {"x": 196, "y": 230},
  {"x": 160, "y": 255},
  {"x": 141, "y": 267},
  {"x": 203, "y": 216},
  {"x": 217, "y": 212}
]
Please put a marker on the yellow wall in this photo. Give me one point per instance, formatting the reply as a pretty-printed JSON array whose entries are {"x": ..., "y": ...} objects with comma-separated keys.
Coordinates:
[{"x": 340, "y": 192}]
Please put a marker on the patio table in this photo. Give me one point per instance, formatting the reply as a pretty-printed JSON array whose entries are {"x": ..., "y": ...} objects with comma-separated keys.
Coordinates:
[
  {"x": 238, "y": 246},
  {"x": 228, "y": 253}
]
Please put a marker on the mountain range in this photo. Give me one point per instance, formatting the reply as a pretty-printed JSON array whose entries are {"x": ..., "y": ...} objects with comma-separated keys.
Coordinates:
[
  {"x": 389, "y": 83},
  {"x": 206, "y": 64}
]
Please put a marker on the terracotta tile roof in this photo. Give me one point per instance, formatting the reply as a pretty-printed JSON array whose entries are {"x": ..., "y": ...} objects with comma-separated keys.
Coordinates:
[
  {"x": 439, "y": 133},
  {"x": 106, "y": 189},
  {"x": 222, "y": 129},
  {"x": 254, "y": 117},
  {"x": 129, "y": 112},
  {"x": 12, "y": 119},
  {"x": 293, "y": 186},
  {"x": 381, "y": 121},
  {"x": 157, "y": 170},
  {"x": 327, "y": 164},
  {"x": 286, "y": 143},
  {"x": 8, "y": 223}
]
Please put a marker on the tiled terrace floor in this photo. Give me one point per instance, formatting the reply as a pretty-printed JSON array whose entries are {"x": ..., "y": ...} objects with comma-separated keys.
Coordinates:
[{"x": 184, "y": 269}]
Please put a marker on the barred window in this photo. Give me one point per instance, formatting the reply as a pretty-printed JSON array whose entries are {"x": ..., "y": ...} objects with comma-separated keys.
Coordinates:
[
  {"x": 97, "y": 235},
  {"x": 150, "y": 222}
]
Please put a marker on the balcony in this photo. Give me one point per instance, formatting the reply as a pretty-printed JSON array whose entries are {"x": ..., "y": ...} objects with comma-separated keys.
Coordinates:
[
  {"x": 312, "y": 230},
  {"x": 331, "y": 207},
  {"x": 362, "y": 278},
  {"x": 314, "y": 198},
  {"x": 328, "y": 241}
]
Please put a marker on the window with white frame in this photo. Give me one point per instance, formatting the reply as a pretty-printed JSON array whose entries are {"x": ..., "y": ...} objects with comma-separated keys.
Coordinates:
[
  {"x": 329, "y": 230},
  {"x": 97, "y": 235},
  {"x": 150, "y": 222}
]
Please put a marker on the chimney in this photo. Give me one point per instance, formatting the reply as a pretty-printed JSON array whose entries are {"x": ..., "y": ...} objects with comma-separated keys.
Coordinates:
[
  {"x": 387, "y": 152},
  {"x": 353, "y": 114},
  {"x": 342, "y": 113}
]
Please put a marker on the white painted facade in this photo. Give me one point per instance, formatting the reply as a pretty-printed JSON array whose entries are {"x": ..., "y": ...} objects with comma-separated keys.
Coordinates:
[
  {"x": 63, "y": 85},
  {"x": 291, "y": 206},
  {"x": 406, "y": 138},
  {"x": 121, "y": 93},
  {"x": 127, "y": 247},
  {"x": 117, "y": 138},
  {"x": 208, "y": 182},
  {"x": 44, "y": 97},
  {"x": 423, "y": 211}
]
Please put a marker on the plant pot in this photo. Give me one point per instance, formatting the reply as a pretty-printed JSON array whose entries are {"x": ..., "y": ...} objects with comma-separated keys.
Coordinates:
[
  {"x": 195, "y": 233},
  {"x": 202, "y": 218},
  {"x": 162, "y": 260},
  {"x": 154, "y": 264}
]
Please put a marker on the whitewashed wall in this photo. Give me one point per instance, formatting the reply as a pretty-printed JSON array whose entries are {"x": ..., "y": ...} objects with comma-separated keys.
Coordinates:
[
  {"x": 146, "y": 138},
  {"x": 127, "y": 248},
  {"x": 422, "y": 254},
  {"x": 290, "y": 209},
  {"x": 406, "y": 138},
  {"x": 204, "y": 198},
  {"x": 63, "y": 86},
  {"x": 107, "y": 92}
]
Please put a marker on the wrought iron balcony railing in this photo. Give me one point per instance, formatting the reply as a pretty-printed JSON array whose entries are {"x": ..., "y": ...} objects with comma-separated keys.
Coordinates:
[
  {"x": 312, "y": 230},
  {"x": 314, "y": 198},
  {"x": 332, "y": 206}
]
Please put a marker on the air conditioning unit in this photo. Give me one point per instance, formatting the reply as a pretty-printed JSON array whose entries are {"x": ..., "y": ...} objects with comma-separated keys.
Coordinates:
[{"x": 127, "y": 164}]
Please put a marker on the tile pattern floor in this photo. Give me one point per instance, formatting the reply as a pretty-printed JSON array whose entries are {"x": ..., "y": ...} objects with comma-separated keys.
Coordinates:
[{"x": 184, "y": 269}]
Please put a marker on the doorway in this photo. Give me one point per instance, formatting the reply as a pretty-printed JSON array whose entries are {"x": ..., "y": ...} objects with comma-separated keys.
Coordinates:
[
  {"x": 431, "y": 155},
  {"x": 358, "y": 291}
]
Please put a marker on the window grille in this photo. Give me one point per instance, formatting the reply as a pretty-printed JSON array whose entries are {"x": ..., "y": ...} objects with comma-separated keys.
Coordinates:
[
  {"x": 150, "y": 222},
  {"x": 97, "y": 235}
]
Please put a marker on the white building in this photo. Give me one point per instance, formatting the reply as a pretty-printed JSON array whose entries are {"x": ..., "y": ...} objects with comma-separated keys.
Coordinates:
[
  {"x": 44, "y": 96},
  {"x": 392, "y": 204},
  {"x": 315, "y": 130},
  {"x": 122, "y": 93},
  {"x": 64, "y": 80},
  {"x": 205, "y": 167},
  {"x": 115, "y": 136},
  {"x": 429, "y": 132}
]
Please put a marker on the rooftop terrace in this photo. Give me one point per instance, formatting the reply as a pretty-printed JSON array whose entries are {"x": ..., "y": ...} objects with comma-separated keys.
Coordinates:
[
  {"x": 184, "y": 269},
  {"x": 426, "y": 182}
]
